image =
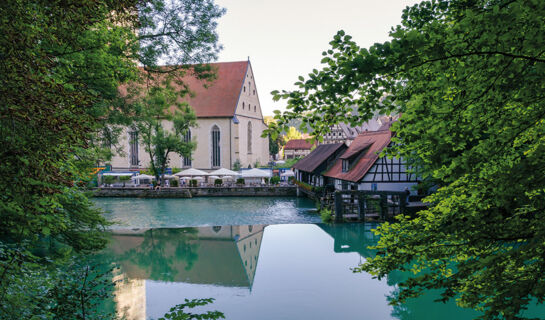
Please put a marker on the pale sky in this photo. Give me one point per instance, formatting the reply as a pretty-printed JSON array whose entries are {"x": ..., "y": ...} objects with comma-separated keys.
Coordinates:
[{"x": 285, "y": 38}]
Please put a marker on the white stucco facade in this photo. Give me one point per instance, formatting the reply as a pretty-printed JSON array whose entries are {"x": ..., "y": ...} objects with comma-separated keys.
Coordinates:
[{"x": 240, "y": 137}]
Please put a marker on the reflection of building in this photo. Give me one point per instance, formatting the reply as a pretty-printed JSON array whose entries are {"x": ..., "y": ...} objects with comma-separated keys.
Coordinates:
[
  {"x": 130, "y": 298},
  {"x": 352, "y": 237},
  {"x": 220, "y": 255},
  {"x": 225, "y": 256}
]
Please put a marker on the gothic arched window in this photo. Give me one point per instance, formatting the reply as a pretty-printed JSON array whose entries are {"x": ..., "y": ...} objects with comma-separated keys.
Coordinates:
[
  {"x": 249, "y": 137},
  {"x": 187, "y": 138},
  {"x": 216, "y": 160}
]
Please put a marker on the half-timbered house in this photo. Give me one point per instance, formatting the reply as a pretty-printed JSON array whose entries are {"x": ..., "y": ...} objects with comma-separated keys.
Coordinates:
[
  {"x": 310, "y": 169},
  {"x": 361, "y": 168}
]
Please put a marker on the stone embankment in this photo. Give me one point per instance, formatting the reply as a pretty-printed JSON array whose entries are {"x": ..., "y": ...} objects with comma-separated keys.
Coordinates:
[{"x": 242, "y": 191}]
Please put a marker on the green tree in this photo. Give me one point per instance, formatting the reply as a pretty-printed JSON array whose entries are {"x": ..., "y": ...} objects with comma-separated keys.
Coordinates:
[
  {"x": 292, "y": 133},
  {"x": 61, "y": 68},
  {"x": 157, "y": 107},
  {"x": 273, "y": 146},
  {"x": 468, "y": 79}
]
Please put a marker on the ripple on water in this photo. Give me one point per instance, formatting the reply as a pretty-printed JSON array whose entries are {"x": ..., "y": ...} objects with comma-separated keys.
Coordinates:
[{"x": 206, "y": 211}]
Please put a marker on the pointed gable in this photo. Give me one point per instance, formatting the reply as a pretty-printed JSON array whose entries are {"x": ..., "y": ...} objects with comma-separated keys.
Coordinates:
[
  {"x": 220, "y": 98},
  {"x": 365, "y": 148}
]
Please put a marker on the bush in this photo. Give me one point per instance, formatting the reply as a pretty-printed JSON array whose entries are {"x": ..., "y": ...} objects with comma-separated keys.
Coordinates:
[
  {"x": 326, "y": 215},
  {"x": 218, "y": 182},
  {"x": 291, "y": 180},
  {"x": 124, "y": 178},
  {"x": 236, "y": 165},
  {"x": 108, "y": 179},
  {"x": 275, "y": 180},
  {"x": 240, "y": 181},
  {"x": 192, "y": 183},
  {"x": 174, "y": 183},
  {"x": 266, "y": 180}
]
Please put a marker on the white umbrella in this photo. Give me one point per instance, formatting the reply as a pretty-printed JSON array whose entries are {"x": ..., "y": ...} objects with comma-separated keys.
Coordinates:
[
  {"x": 255, "y": 173},
  {"x": 224, "y": 172},
  {"x": 197, "y": 178},
  {"x": 170, "y": 176},
  {"x": 143, "y": 176},
  {"x": 213, "y": 177},
  {"x": 288, "y": 173},
  {"x": 118, "y": 174},
  {"x": 191, "y": 172}
]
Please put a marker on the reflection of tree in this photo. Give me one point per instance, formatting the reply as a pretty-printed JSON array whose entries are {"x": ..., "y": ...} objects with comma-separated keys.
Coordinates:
[
  {"x": 358, "y": 238},
  {"x": 164, "y": 249}
]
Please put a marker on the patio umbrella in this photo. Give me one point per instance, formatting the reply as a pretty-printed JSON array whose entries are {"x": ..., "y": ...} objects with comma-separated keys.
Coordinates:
[
  {"x": 142, "y": 176},
  {"x": 191, "y": 172},
  {"x": 224, "y": 172},
  {"x": 255, "y": 173},
  {"x": 213, "y": 177},
  {"x": 288, "y": 173}
]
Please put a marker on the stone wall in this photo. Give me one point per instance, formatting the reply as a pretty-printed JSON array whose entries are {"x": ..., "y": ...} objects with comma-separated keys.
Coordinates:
[{"x": 243, "y": 191}]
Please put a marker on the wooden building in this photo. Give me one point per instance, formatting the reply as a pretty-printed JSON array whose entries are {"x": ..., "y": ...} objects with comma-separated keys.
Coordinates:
[
  {"x": 297, "y": 148},
  {"x": 310, "y": 169},
  {"x": 361, "y": 168}
]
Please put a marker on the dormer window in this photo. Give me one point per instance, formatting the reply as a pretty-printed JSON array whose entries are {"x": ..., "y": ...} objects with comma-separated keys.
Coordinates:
[{"x": 345, "y": 165}]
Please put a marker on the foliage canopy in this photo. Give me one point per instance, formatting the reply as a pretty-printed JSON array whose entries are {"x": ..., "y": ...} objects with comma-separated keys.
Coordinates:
[
  {"x": 62, "y": 63},
  {"x": 468, "y": 77}
]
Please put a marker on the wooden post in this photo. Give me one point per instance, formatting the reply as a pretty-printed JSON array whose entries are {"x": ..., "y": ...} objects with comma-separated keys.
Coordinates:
[
  {"x": 361, "y": 207},
  {"x": 338, "y": 207},
  {"x": 403, "y": 204},
  {"x": 383, "y": 206}
]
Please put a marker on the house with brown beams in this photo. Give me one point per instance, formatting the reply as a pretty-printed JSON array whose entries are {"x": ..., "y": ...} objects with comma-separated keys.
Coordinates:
[
  {"x": 311, "y": 168},
  {"x": 361, "y": 168},
  {"x": 297, "y": 148}
]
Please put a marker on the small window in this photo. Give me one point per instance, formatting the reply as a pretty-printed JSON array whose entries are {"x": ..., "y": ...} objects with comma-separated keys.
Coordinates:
[
  {"x": 345, "y": 165},
  {"x": 254, "y": 92},
  {"x": 243, "y": 106},
  {"x": 254, "y": 109},
  {"x": 244, "y": 88}
]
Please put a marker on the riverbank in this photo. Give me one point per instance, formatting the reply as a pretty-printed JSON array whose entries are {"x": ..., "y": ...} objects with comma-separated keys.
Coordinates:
[{"x": 235, "y": 191}]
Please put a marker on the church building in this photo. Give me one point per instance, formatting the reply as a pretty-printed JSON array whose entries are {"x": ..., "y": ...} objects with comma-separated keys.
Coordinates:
[{"x": 229, "y": 124}]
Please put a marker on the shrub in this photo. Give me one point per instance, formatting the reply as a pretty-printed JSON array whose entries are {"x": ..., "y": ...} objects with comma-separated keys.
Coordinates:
[
  {"x": 326, "y": 215},
  {"x": 124, "y": 178},
  {"x": 218, "y": 182},
  {"x": 266, "y": 180},
  {"x": 275, "y": 180},
  {"x": 236, "y": 165},
  {"x": 108, "y": 179},
  {"x": 291, "y": 180},
  {"x": 192, "y": 183},
  {"x": 240, "y": 181},
  {"x": 174, "y": 182}
]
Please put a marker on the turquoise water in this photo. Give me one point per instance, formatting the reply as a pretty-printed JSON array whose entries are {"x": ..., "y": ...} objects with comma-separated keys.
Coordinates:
[
  {"x": 287, "y": 266},
  {"x": 206, "y": 211},
  {"x": 297, "y": 271}
]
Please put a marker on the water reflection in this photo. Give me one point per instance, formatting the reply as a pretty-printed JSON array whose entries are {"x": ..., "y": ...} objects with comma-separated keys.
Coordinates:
[
  {"x": 303, "y": 273},
  {"x": 219, "y": 255}
]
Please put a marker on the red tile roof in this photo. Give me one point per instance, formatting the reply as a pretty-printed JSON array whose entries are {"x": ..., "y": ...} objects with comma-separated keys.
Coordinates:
[
  {"x": 375, "y": 141},
  {"x": 318, "y": 156},
  {"x": 298, "y": 144},
  {"x": 221, "y": 97},
  {"x": 356, "y": 147}
]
